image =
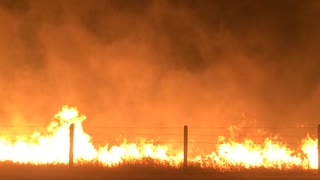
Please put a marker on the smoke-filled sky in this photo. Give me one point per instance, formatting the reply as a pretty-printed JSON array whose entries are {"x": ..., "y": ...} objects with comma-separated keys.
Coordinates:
[{"x": 161, "y": 63}]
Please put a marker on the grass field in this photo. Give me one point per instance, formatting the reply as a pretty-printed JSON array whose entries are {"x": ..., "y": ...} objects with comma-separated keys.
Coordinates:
[{"x": 143, "y": 171}]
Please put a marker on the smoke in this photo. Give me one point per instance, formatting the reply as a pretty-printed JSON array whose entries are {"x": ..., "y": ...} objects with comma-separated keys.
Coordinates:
[{"x": 161, "y": 63}]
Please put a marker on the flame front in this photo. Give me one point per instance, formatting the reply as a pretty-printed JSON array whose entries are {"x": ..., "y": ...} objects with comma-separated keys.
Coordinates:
[{"x": 53, "y": 148}]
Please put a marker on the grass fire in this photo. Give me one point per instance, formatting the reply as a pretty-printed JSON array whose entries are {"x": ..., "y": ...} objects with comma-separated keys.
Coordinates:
[
  {"x": 53, "y": 148},
  {"x": 159, "y": 89}
]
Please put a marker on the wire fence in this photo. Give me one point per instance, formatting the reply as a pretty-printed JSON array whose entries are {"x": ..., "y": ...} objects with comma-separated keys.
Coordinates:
[{"x": 290, "y": 135}]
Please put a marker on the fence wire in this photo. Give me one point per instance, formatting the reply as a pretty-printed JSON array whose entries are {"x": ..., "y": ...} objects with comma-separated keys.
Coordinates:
[{"x": 291, "y": 136}]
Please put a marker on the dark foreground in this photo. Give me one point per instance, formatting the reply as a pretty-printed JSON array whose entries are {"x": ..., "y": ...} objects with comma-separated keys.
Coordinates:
[{"x": 130, "y": 172}]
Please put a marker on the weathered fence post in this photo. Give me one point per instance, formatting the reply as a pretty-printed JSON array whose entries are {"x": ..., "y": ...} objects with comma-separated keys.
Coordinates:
[
  {"x": 318, "y": 148},
  {"x": 185, "y": 146},
  {"x": 71, "y": 145}
]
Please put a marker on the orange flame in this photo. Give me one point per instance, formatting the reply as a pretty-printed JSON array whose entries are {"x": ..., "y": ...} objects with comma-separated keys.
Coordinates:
[{"x": 53, "y": 147}]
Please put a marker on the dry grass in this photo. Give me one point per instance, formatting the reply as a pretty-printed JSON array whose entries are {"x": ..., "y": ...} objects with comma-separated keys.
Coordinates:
[{"x": 147, "y": 169}]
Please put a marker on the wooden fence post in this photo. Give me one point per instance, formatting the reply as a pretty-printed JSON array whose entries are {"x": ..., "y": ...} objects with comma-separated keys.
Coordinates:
[
  {"x": 318, "y": 148},
  {"x": 185, "y": 146},
  {"x": 71, "y": 145}
]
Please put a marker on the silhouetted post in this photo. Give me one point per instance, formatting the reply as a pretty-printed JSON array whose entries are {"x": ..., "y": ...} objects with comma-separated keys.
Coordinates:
[
  {"x": 71, "y": 145},
  {"x": 319, "y": 148},
  {"x": 185, "y": 146}
]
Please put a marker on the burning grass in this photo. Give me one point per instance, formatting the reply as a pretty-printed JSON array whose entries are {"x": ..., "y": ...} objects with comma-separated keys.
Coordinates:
[
  {"x": 230, "y": 155},
  {"x": 145, "y": 169}
]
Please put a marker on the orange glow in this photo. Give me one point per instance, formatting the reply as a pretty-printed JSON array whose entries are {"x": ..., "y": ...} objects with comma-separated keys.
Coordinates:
[{"x": 53, "y": 147}]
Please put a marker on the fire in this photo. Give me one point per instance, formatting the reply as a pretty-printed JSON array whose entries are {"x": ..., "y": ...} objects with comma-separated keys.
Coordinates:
[
  {"x": 53, "y": 147},
  {"x": 270, "y": 154},
  {"x": 114, "y": 155},
  {"x": 310, "y": 149}
]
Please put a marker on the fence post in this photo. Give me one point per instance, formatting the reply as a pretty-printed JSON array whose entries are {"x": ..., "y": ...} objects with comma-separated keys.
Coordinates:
[
  {"x": 71, "y": 145},
  {"x": 318, "y": 148},
  {"x": 185, "y": 146}
]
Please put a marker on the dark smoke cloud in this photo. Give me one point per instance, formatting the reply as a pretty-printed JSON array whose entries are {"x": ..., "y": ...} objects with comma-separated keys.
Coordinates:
[{"x": 164, "y": 63}]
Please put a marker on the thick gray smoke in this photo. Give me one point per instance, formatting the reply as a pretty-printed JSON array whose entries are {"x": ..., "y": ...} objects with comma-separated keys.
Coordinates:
[{"x": 161, "y": 63}]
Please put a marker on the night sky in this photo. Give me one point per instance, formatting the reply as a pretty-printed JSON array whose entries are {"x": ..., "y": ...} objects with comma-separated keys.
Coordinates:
[{"x": 161, "y": 63}]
